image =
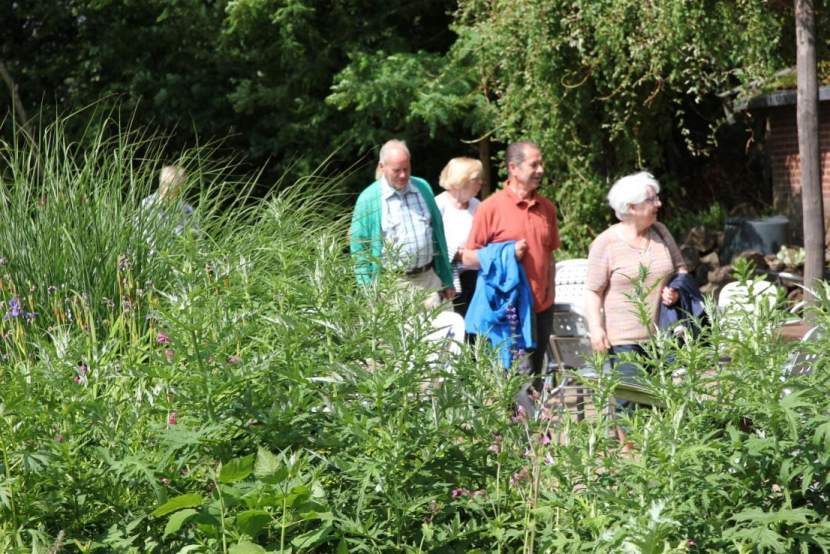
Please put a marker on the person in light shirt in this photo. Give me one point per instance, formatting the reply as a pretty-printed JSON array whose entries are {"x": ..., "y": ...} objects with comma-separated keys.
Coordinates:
[
  {"x": 635, "y": 249},
  {"x": 615, "y": 260},
  {"x": 396, "y": 226},
  {"x": 461, "y": 179}
]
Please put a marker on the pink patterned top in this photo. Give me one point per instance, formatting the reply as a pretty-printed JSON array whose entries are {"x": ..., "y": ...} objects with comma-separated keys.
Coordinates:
[{"x": 613, "y": 272}]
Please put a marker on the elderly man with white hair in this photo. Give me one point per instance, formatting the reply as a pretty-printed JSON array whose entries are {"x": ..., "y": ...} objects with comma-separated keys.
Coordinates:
[{"x": 396, "y": 224}]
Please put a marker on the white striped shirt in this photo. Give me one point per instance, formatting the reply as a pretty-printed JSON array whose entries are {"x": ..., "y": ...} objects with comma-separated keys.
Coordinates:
[{"x": 406, "y": 225}]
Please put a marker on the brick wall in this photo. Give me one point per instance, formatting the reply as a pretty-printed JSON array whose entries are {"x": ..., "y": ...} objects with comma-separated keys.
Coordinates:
[{"x": 782, "y": 147}]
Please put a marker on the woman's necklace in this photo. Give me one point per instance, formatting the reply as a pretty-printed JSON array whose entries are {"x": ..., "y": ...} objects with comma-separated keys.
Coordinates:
[{"x": 640, "y": 244}]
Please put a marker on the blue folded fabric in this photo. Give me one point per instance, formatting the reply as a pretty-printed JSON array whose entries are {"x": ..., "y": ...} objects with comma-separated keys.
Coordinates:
[
  {"x": 502, "y": 306},
  {"x": 688, "y": 310}
]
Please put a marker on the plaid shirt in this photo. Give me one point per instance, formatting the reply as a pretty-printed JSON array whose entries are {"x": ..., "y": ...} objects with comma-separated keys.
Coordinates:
[{"x": 407, "y": 227}]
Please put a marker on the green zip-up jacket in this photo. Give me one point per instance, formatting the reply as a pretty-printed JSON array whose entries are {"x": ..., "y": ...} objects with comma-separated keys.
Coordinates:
[{"x": 367, "y": 237}]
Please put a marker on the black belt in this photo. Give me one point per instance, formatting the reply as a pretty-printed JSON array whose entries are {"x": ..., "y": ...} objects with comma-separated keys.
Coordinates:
[{"x": 421, "y": 269}]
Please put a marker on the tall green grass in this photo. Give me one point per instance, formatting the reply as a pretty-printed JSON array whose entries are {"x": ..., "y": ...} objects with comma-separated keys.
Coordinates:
[{"x": 71, "y": 223}]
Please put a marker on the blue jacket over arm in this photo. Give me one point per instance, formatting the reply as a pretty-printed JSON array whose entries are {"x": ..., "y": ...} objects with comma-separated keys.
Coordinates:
[{"x": 502, "y": 305}]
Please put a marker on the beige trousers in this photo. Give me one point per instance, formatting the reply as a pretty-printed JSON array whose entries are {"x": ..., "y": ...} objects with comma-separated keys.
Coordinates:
[{"x": 430, "y": 281}]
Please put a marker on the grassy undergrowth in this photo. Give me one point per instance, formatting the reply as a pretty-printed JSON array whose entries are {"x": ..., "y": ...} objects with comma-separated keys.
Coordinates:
[{"x": 232, "y": 390}]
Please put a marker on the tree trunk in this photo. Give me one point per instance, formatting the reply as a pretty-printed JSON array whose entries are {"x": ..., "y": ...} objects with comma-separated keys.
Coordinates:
[
  {"x": 17, "y": 105},
  {"x": 484, "y": 156},
  {"x": 808, "y": 147}
]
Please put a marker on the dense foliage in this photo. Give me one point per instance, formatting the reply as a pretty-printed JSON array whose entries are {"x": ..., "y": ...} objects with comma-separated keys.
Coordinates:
[
  {"x": 605, "y": 86},
  {"x": 243, "y": 395},
  {"x": 613, "y": 86},
  {"x": 252, "y": 73}
]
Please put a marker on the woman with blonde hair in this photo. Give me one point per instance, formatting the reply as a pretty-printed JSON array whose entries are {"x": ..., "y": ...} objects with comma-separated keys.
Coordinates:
[{"x": 461, "y": 179}]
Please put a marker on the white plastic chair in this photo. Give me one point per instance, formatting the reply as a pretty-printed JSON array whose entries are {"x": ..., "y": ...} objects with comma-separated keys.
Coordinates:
[
  {"x": 747, "y": 297},
  {"x": 569, "y": 342},
  {"x": 570, "y": 282},
  {"x": 448, "y": 328},
  {"x": 803, "y": 358},
  {"x": 739, "y": 303}
]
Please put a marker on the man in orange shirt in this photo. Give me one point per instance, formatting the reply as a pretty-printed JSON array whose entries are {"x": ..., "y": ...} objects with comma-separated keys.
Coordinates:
[{"x": 517, "y": 212}]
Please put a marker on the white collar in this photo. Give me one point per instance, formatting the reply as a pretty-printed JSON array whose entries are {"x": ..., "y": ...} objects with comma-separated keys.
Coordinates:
[{"x": 387, "y": 190}]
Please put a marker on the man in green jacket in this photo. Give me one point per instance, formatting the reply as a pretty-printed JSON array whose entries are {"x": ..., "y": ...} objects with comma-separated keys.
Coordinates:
[{"x": 396, "y": 224}]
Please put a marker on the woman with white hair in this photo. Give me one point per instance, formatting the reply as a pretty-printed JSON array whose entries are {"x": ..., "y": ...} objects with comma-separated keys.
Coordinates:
[
  {"x": 636, "y": 247},
  {"x": 461, "y": 179}
]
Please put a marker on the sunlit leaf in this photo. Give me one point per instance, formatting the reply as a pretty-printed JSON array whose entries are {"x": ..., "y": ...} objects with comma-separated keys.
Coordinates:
[
  {"x": 177, "y": 520},
  {"x": 252, "y": 522},
  {"x": 269, "y": 468},
  {"x": 236, "y": 469},
  {"x": 246, "y": 547},
  {"x": 191, "y": 500}
]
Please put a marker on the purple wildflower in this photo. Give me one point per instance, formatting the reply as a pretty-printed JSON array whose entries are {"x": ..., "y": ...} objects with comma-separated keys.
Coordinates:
[
  {"x": 233, "y": 360},
  {"x": 460, "y": 491},
  {"x": 30, "y": 317},
  {"x": 162, "y": 338},
  {"x": 172, "y": 418},
  {"x": 521, "y": 415},
  {"x": 544, "y": 438},
  {"x": 14, "y": 309}
]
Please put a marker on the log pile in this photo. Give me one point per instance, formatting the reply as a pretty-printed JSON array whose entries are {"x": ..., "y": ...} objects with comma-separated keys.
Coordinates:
[{"x": 701, "y": 248}]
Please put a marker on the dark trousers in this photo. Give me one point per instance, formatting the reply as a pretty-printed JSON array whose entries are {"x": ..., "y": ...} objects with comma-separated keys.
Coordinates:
[
  {"x": 468, "y": 286},
  {"x": 542, "y": 328},
  {"x": 627, "y": 370}
]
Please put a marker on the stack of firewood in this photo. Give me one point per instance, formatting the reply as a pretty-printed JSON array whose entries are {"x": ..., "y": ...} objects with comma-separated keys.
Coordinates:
[{"x": 701, "y": 249}]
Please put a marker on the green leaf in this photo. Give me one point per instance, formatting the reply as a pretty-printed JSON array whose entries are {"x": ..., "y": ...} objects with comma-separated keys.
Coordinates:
[
  {"x": 252, "y": 522},
  {"x": 755, "y": 515},
  {"x": 760, "y": 537},
  {"x": 231, "y": 495},
  {"x": 191, "y": 500},
  {"x": 177, "y": 520},
  {"x": 312, "y": 538},
  {"x": 246, "y": 547},
  {"x": 269, "y": 468},
  {"x": 342, "y": 547},
  {"x": 236, "y": 469}
]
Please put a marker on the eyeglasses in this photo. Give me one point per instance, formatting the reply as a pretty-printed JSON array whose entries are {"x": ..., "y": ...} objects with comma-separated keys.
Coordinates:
[{"x": 651, "y": 199}]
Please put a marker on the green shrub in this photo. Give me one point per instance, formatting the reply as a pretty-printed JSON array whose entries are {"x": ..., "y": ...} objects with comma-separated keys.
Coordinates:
[{"x": 260, "y": 401}]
